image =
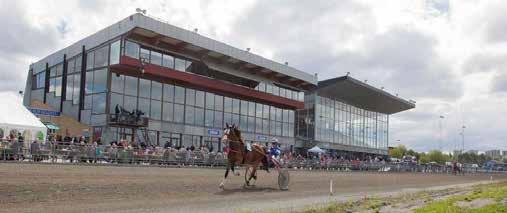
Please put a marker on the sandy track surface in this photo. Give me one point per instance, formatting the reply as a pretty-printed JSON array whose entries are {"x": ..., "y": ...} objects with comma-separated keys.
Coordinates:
[{"x": 78, "y": 188}]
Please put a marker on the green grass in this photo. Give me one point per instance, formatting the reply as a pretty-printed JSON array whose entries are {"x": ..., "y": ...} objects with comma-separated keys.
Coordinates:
[{"x": 496, "y": 192}]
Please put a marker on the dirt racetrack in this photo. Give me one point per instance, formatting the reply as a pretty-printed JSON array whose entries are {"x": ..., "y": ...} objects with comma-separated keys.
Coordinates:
[{"x": 78, "y": 188}]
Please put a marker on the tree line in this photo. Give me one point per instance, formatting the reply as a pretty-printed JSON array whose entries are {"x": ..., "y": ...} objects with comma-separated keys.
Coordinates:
[{"x": 439, "y": 157}]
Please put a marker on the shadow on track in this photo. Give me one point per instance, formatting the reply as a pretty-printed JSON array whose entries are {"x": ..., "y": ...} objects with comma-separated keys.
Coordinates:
[{"x": 247, "y": 190}]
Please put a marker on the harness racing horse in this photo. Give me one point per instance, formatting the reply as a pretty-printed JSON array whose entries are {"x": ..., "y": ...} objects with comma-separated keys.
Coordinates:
[{"x": 238, "y": 155}]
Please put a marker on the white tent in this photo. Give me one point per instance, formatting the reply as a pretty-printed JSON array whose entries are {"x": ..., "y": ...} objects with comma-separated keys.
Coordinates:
[
  {"x": 316, "y": 149},
  {"x": 16, "y": 118}
]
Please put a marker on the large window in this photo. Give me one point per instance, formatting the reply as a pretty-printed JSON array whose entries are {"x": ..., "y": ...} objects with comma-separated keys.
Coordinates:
[
  {"x": 114, "y": 53},
  {"x": 39, "y": 80},
  {"x": 55, "y": 79},
  {"x": 73, "y": 79}
]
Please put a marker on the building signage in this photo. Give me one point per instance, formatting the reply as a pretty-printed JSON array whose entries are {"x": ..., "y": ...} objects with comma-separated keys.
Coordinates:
[
  {"x": 213, "y": 132},
  {"x": 44, "y": 112},
  {"x": 261, "y": 138}
]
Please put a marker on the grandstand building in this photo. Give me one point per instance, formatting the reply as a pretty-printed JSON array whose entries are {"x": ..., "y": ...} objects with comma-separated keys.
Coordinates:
[{"x": 145, "y": 80}]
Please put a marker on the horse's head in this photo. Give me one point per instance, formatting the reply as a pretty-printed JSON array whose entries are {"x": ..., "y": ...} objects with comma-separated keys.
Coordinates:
[{"x": 231, "y": 133}]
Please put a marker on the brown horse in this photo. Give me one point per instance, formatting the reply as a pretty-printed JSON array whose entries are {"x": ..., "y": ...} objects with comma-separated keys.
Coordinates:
[{"x": 238, "y": 155}]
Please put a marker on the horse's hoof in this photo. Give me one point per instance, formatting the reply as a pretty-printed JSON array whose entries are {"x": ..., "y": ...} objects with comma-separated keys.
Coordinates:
[
  {"x": 237, "y": 174},
  {"x": 221, "y": 186}
]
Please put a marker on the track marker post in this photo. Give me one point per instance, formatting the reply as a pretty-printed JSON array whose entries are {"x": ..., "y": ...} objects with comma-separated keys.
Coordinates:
[{"x": 331, "y": 187}]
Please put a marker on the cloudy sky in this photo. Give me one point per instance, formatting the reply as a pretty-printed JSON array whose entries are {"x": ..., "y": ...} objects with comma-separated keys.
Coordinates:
[{"x": 449, "y": 56}]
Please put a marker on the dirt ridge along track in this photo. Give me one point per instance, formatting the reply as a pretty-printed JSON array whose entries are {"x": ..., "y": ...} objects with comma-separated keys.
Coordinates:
[{"x": 72, "y": 188}]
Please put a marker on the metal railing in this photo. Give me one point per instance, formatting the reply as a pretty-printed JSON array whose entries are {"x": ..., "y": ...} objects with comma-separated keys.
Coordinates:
[{"x": 117, "y": 155}]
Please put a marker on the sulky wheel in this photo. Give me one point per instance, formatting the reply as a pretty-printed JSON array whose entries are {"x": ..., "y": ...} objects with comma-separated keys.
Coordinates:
[
  {"x": 250, "y": 176},
  {"x": 283, "y": 179}
]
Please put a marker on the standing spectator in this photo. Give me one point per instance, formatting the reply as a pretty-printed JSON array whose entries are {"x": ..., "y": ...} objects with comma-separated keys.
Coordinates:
[{"x": 34, "y": 151}]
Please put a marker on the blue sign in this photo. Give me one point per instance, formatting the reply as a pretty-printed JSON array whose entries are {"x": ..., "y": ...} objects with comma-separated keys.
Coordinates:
[
  {"x": 45, "y": 112},
  {"x": 213, "y": 132},
  {"x": 261, "y": 138}
]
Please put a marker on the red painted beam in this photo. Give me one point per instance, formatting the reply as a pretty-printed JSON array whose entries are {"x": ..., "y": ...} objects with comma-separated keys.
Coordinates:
[{"x": 164, "y": 74}]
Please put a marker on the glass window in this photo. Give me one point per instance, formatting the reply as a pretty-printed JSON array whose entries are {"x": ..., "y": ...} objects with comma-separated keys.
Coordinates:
[
  {"x": 100, "y": 81},
  {"x": 210, "y": 100},
  {"x": 218, "y": 119},
  {"x": 156, "y": 90},
  {"x": 278, "y": 128},
  {"x": 227, "y": 104},
  {"x": 131, "y": 85},
  {"x": 132, "y": 49},
  {"x": 199, "y": 116},
  {"x": 244, "y": 107},
  {"x": 179, "y": 94},
  {"x": 258, "y": 110},
  {"x": 258, "y": 125},
  {"x": 99, "y": 103},
  {"x": 283, "y": 93},
  {"x": 235, "y": 106},
  {"x": 144, "y": 88},
  {"x": 278, "y": 114},
  {"x": 199, "y": 99},
  {"x": 168, "y": 61},
  {"x": 117, "y": 82},
  {"x": 71, "y": 66},
  {"x": 265, "y": 112},
  {"x": 89, "y": 83},
  {"x": 59, "y": 69},
  {"x": 52, "y": 72},
  {"x": 276, "y": 90},
  {"x": 88, "y": 102},
  {"x": 243, "y": 123},
  {"x": 168, "y": 112},
  {"x": 269, "y": 88},
  {"x": 179, "y": 64},
  {"x": 188, "y": 66},
  {"x": 77, "y": 88},
  {"x": 272, "y": 127},
  {"x": 291, "y": 116},
  {"x": 143, "y": 105},
  {"x": 169, "y": 92},
  {"x": 114, "y": 53},
  {"x": 145, "y": 54},
  {"x": 251, "y": 124},
  {"x": 219, "y": 103},
  {"x": 208, "y": 119},
  {"x": 155, "y": 110},
  {"x": 58, "y": 86},
  {"x": 235, "y": 119},
  {"x": 228, "y": 118},
  {"x": 285, "y": 115},
  {"x": 78, "y": 63},
  {"x": 251, "y": 109},
  {"x": 179, "y": 112},
  {"x": 190, "y": 97},
  {"x": 130, "y": 103},
  {"x": 116, "y": 99},
  {"x": 189, "y": 115},
  {"x": 70, "y": 86},
  {"x": 265, "y": 126},
  {"x": 156, "y": 58},
  {"x": 101, "y": 57}
]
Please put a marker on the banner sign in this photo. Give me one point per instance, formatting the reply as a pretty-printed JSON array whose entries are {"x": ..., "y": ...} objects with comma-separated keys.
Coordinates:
[
  {"x": 261, "y": 138},
  {"x": 45, "y": 112},
  {"x": 213, "y": 132}
]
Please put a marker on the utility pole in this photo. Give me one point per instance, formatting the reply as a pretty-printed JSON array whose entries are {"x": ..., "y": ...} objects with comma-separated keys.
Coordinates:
[
  {"x": 440, "y": 141},
  {"x": 463, "y": 139}
]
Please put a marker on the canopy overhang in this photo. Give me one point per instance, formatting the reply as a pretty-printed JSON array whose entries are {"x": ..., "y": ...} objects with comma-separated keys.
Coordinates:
[{"x": 362, "y": 95}]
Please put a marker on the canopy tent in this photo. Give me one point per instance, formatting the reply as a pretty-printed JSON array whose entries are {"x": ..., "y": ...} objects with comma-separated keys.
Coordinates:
[
  {"x": 16, "y": 118},
  {"x": 316, "y": 149}
]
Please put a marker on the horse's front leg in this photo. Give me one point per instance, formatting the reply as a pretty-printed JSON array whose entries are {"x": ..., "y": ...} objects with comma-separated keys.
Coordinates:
[{"x": 225, "y": 176}]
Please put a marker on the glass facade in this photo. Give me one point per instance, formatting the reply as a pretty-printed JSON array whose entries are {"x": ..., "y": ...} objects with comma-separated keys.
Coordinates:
[
  {"x": 341, "y": 123},
  {"x": 177, "y": 104}
]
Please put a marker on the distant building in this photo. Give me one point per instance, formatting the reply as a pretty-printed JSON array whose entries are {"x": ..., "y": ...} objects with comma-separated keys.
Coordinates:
[
  {"x": 473, "y": 152},
  {"x": 495, "y": 154}
]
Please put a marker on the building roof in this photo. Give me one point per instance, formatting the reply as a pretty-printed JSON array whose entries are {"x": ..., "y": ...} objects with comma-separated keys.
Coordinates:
[
  {"x": 190, "y": 40},
  {"x": 362, "y": 95}
]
